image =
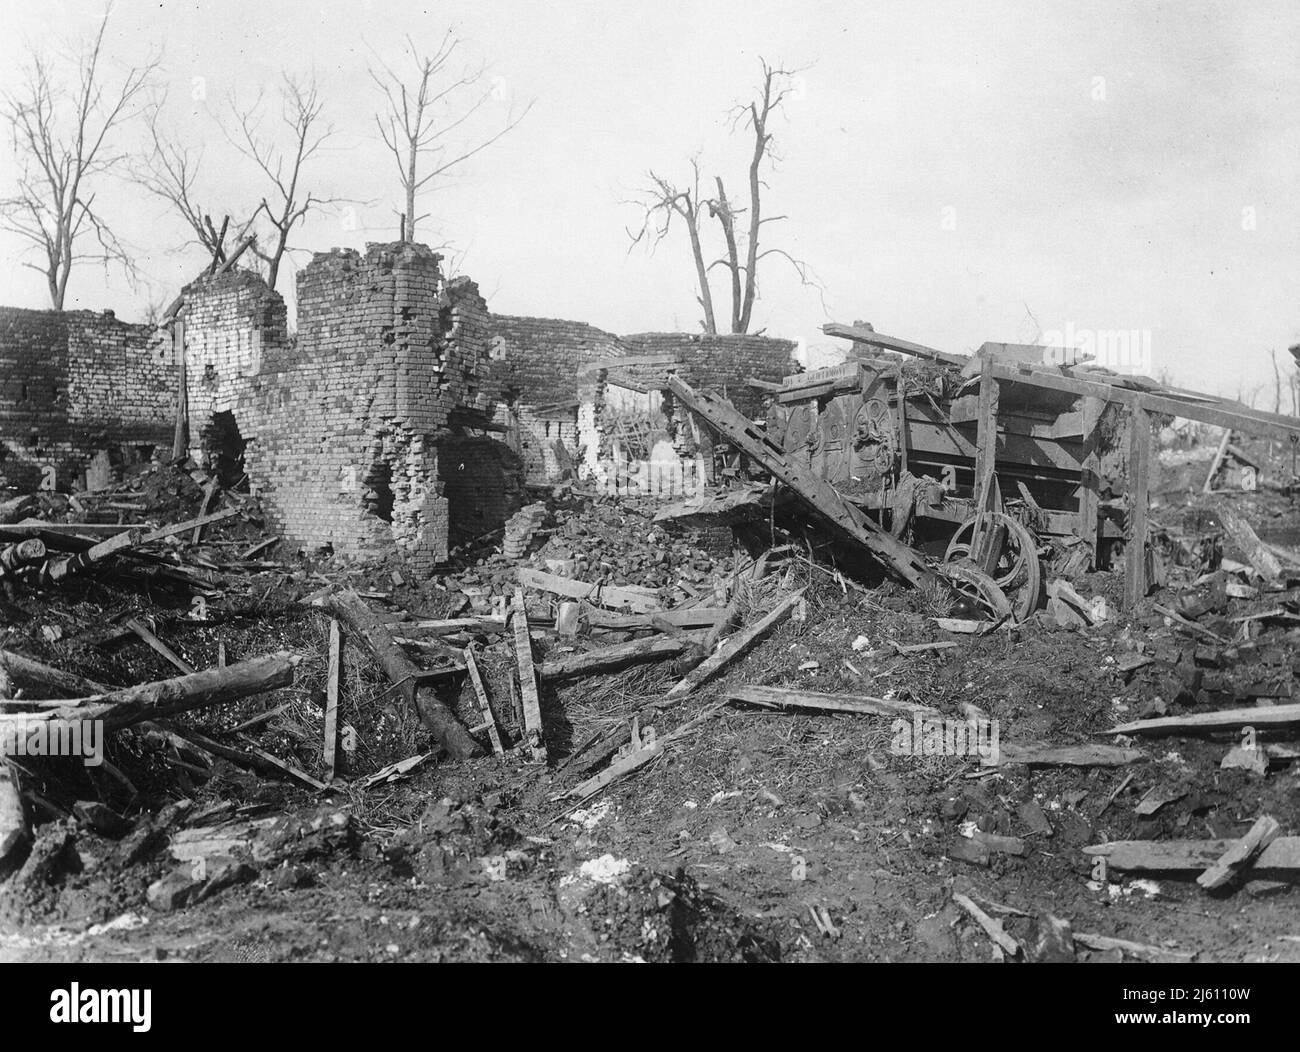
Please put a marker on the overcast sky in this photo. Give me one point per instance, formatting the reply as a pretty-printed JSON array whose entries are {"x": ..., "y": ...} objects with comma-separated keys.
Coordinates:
[{"x": 954, "y": 173}]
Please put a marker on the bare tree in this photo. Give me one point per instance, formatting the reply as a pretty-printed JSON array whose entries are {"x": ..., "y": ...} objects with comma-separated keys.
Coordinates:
[
  {"x": 282, "y": 162},
  {"x": 62, "y": 139},
  {"x": 741, "y": 256},
  {"x": 426, "y": 120},
  {"x": 169, "y": 170},
  {"x": 664, "y": 201}
]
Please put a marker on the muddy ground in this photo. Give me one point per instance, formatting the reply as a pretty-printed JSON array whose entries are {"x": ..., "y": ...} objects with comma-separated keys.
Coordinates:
[{"x": 758, "y": 836}]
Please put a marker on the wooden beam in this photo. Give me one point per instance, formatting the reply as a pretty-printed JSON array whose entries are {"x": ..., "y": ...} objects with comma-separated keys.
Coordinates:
[
  {"x": 532, "y": 704},
  {"x": 1139, "y": 463},
  {"x": 892, "y": 343},
  {"x": 332, "y": 700},
  {"x": 1282, "y": 853},
  {"x": 732, "y": 647},
  {"x": 986, "y": 487},
  {"x": 1090, "y": 478},
  {"x": 858, "y": 704},
  {"x": 181, "y": 433},
  {"x": 1220, "y": 720},
  {"x": 607, "y": 659}
]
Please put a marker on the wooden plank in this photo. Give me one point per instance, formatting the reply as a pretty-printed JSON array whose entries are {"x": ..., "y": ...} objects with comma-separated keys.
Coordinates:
[
  {"x": 641, "y": 601},
  {"x": 532, "y": 704},
  {"x": 181, "y": 432},
  {"x": 485, "y": 706},
  {"x": 732, "y": 647},
  {"x": 1263, "y": 560},
  {"x": 1217, "y": 462},
  {"x": 858, "y": 704},
  {"x": 1139, "y": 464},
  {"x": 192, "y": 524},
  {"x": 608, "y": 659},
  {"x": 1222, "y": 720},
  {"x": 1067, "y": 755},
  {"x": 1090, "y": 478},
  {"x": 1237, "y": 857},
  {"x": 209, "y": 492},
  {"x": 142, "y": 630},
  {"x": 682, "y": 617},
  {"x": 332, "y": 700},
  {"x": 1283, "y": 853},
  {"x": 986, "y": 438}
]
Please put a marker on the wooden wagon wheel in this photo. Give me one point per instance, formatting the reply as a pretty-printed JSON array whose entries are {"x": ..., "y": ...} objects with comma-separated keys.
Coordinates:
[
  {"x": 1017, "y": 571},
  {"x": 980, "y": 588}
]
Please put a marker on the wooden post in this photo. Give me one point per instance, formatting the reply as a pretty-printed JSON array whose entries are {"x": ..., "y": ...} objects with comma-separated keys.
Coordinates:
[
  {"x": 1217, "y": 462},
  {"x": 181, "y": 437},
  {"x": 987, "y": 498},
  {"x": 1139, "y": 463},
  {"x": 489, "y": 723},
  {"x": 332, "y": 701},
  {"x": 1090, "y": 477}
]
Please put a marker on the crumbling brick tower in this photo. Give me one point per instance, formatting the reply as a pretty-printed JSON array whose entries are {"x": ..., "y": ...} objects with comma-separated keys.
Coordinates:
[{"x": 344, "y": 425}]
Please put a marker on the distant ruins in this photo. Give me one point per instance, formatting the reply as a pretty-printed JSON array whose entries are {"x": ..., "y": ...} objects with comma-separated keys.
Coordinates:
[{"x": 401, "y": 418}]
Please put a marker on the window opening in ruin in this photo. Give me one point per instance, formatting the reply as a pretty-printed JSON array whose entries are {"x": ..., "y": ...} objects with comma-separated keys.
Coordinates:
[{"x": 377, "y": 492}]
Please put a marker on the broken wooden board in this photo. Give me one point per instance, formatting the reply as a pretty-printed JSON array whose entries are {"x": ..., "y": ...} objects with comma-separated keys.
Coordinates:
[
  {"x": 1240, "y": 854},
  {"x": 1223, "y": 719},
  {"x": 1263, "y": 560},
  {"x": 532, "y": 705},
  {"x": 175, "y": 660},
  {"x": 638, "y": 600},
  {"x": 1191, "y": 855},
  {"x": 609, "y": 659},
  {"x": 732, "y": 647},
  {"x": 858, "y": 704},
  {"x": 485, "y": 706},
  {"x": 1067, "y": 755}
]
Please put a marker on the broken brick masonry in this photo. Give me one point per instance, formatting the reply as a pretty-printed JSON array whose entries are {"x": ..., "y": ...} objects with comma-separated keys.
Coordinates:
[
  {"x": 368, "y": 432},
  {"x": 400, "y": 418}
]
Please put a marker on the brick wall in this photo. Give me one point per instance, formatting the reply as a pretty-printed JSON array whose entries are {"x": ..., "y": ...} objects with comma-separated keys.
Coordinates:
[
  {"x": 79, "y": 388},
  {"x": 723, "y": 362},
  {"x": 344, "y": 424},
  {"x": 538, "y": 367}
]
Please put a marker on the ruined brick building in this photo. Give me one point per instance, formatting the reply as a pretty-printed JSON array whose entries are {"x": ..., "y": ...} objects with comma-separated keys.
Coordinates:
[{"x": 401, "y": 417}]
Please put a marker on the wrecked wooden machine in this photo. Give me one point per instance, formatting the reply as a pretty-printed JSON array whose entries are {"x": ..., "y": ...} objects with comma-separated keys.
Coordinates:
[{"x": 997, "y": 466}]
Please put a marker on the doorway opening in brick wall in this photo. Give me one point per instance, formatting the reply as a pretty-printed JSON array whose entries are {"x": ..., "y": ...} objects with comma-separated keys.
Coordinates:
[{"x": 223, "y": 450}]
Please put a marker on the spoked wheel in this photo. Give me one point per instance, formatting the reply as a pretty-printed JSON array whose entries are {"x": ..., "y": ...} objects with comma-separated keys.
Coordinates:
[
  {"x": 1017, "y": 571},
  {"x": 973, "y": 584}
]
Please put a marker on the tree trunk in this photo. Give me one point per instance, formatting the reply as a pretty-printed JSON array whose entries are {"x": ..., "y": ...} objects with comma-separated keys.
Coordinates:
[
  {"x": 733, "y": 254},
  {"x": 702, "y": 273}
]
